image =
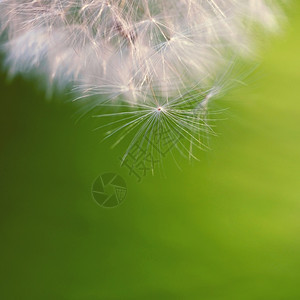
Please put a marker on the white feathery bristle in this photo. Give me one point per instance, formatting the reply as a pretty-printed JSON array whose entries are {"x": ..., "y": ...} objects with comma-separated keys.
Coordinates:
[{"x": 135, "y": 51}]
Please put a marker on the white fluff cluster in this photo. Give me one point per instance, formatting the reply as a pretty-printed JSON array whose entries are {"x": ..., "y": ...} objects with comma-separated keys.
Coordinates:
[{"x": 148, "y": 53}]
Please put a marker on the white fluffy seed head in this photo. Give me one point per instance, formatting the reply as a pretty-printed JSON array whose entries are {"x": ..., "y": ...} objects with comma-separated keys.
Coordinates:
[
  {"x": 141, "y": 52},
  {"x": 130, "y": 48}
]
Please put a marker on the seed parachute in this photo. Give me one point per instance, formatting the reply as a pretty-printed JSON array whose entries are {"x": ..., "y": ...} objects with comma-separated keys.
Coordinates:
[{"x": 155, "y": 65}]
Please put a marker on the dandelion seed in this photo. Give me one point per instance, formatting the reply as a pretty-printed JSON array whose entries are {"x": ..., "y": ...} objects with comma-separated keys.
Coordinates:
[{"x": 157, "y": 64}]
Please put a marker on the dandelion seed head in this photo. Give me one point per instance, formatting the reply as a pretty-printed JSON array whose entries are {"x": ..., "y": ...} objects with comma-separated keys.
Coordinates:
[{"x": 148, "y": 54}]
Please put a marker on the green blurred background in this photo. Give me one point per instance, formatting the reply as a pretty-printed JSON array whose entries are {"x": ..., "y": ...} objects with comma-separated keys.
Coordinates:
[{"x": 227, "y": 227}]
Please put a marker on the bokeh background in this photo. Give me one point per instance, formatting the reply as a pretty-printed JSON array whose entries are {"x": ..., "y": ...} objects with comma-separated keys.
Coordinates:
[{"x": 224, "y": 228}]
